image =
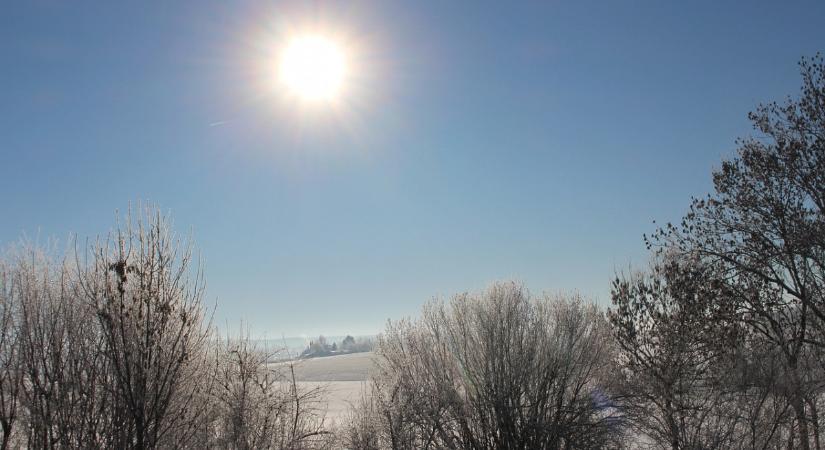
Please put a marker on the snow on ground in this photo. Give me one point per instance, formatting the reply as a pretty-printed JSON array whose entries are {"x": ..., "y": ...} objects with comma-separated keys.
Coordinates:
[
  {"x": 343, "y": 377},
  {"x": 350, "y": 367}
]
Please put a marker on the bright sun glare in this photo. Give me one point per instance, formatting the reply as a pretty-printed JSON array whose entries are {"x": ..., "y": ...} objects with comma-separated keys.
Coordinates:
[{"x": 313, "y": 68}]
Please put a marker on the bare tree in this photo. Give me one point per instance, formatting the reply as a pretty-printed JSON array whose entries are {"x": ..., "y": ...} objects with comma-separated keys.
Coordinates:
[
  {"x": 147, "y": 298},
  {"x": 384, "y": 418},
  {"x": 114, "y": 351},
  {"x": 763, "y": 230},
  {"x": 687, "y": 379},
  {"x": 10, "y": 371},
  {"x": 502, "y": 370},
  {"x": 259, "y": 405},
  {"x": 63, "y": 403}
]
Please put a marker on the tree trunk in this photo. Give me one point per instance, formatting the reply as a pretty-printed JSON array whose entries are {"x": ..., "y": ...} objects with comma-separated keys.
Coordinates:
[
  {"x": 815, "y": 422},
  {"x": 6, "y": 435},
  {"x": 799, "y": 409}
]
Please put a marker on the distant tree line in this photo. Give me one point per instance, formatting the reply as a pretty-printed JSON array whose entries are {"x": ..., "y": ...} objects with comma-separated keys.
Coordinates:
[{"x": 322, "y": 347}]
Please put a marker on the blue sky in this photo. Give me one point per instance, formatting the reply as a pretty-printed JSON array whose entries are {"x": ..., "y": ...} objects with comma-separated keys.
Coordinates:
[{"x": 476, "y": 141}]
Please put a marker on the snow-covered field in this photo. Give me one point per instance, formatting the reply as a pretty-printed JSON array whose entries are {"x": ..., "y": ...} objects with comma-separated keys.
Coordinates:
[
  {"x": 343, "y": 377},
  {"x": 350, "y": 367}
]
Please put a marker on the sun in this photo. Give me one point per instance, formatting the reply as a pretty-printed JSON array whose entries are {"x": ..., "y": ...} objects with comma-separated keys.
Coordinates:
[{"x": 313, "y": 68}]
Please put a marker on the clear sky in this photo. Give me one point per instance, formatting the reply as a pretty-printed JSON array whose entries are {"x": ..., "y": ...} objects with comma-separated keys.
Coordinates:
[{"x": 473, "y": 142}]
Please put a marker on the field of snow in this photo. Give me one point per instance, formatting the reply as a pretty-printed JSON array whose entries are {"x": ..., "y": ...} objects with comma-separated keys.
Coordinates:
[{"x": 343, "y": 377}]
